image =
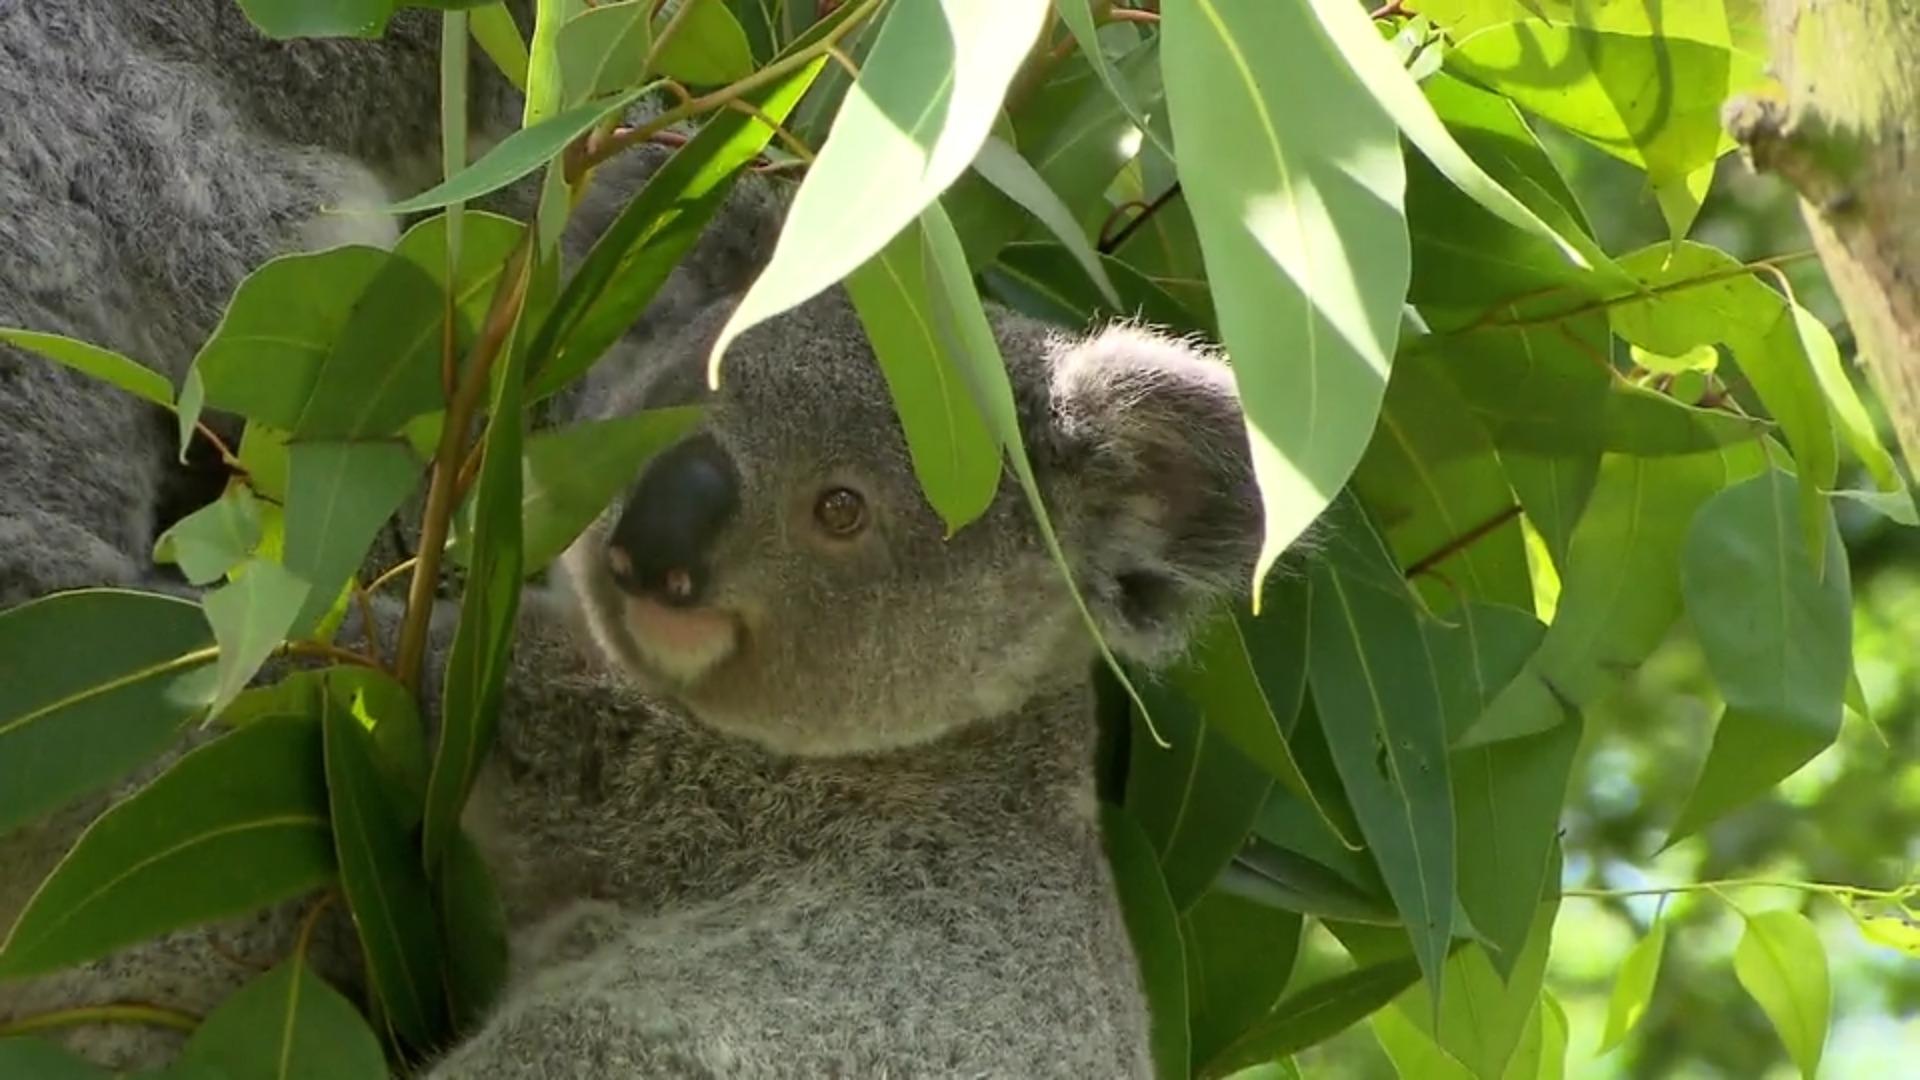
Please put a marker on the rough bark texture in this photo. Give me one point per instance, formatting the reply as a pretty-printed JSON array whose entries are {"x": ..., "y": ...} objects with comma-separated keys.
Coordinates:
[{"x": 1851, "y": 74}]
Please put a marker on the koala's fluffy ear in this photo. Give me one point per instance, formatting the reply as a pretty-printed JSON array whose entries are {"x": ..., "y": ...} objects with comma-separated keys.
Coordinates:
[{"x": 1145, "y": 440}]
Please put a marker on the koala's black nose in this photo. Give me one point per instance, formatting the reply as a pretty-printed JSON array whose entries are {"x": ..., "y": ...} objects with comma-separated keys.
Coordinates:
[{"x": 662, "y": 545}]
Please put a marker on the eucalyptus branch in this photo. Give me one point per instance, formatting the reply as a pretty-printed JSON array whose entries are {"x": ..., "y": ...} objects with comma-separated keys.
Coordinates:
[
  {"x": 1487, "y": 321},
  {"x": 1819, "y": 888},
  {"x": 508, "y": 298},
  {"x": 721, "y": 98}
]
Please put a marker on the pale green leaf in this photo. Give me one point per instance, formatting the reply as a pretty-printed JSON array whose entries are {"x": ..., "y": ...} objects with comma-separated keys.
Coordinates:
[
  {"x": 327, "y": 18},
  {"x": 707, "y": 47},
  {"x": 1781, "y": 962},
  {"x": 519, "y": 154},
  {"x": 92, "y": 360},
  {"x": 213, "y": 539},
  {"x": 1078, "y": 15},
  {"x": 573, "y": 472},
  {"x": 1315, "y": 1014},
  {"x": 925, "y": 101},
  {"x": 1005, "y": 169},
  {"x": 1850, "y": 416},
  {"x": 1633, "y": 988},
  {"x": 1299, "y": 215},
  {"x": 250, "y": 615},
  {"x": 604, "y": 49},
  {"x": 339, "y": 494}
]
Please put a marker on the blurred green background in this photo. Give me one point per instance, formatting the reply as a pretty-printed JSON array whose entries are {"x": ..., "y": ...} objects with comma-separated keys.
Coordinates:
[{"x": 1850, "y": 816}]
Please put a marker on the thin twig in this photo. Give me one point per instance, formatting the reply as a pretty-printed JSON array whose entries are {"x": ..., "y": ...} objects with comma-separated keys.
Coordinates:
[
  {"x": 126, "y": 1012},
  {"x": 1462, "y": 542},
  {"x": 1112, "y": 244},
  {"x": 1717, "y": 276}
]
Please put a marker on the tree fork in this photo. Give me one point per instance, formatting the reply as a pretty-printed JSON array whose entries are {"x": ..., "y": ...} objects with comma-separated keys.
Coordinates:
[{"x": 1850, "y": 70}]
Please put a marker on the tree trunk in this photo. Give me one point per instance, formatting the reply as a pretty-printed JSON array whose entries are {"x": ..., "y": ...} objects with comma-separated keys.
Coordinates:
[{"x": 1851, "y": 73}]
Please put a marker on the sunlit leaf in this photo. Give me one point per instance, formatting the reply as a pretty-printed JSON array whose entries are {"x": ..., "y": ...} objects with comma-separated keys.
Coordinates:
[
  {"x": 1781, "y": 962},
  {"x": 213, "y": 539},
  {"x": 76, "y": 719},
  {"x": 1850, "y": 417},
  {"x": 1633, "y": 988},
  {"x": 1483, "y": 1011},
  {"x": 232, "y": 827},
  {"x": 911, "y": 124},
  {"x": 1078, "y": 16},
  {"x": 1299, "y": 214}
]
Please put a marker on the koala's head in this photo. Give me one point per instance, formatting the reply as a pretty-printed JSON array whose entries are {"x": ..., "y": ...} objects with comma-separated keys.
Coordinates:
[{"x": 780, "y": 574}]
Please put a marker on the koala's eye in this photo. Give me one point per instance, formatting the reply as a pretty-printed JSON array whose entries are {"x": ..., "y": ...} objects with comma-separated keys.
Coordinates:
[{"x": 840, "y": 511}]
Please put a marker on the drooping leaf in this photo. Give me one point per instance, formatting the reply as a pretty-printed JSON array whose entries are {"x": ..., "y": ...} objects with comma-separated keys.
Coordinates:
[
  {"x": 1195, "y": 799},
  {"x": 494, "y": 30},
  {"x": 519, "y": 154},
  {"x": 1277, "y": 877},
  {"x": 1005, "y": 169},
  {"x": 42, "y": 1060},
  {"x": 1239, "y": 956},
  {"x": 384, "y": 885},
  {"x": 955, "y": 457},
  {"x": 287, "y": 1025},
  {"x": 1153, "y": 924},
  {"x": 1777, "y": 635},
  {"x": 1633, "y": 989},
  {"x": 331, "y": 18},
  {"x": 232, "y": 827},
  {"x": 633, "y": 257},
  {"x": 1299, "y": 215},
  {"x": 76, "y": 719},
  {"x": 1781, "y": 963},
  {"x": 1078, "y": 15},
  {"x": 916, "y": 117},
  {"x": 1483, "y": 1011},
  {"x": 1379, "y": 703},
  {"x": 1315, "y": 1014},
  {"x": 1850, "y": 417},
  {"x": 707, "y": 48},
  {"x": 213, "y": 539},
  {"x": 339, "y": 494},
  {"x": 1620, "y": 590},
  {"x": 92, "y": 360},
  {"x": 250, "y": 615}
]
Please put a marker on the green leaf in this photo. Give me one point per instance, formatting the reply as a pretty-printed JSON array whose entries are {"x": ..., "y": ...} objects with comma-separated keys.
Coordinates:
[
  {"x": 250, "y": 615},
  {"x": 1044, "y": 281},
  {"x": 473, "y": 931},
  {"x": 326, "y": 18},
  {"x": 1153, "y": 924},
  {"x": 1653, "y": 102},
  {"x": 1239, "y": 956},
  {"x": 708, "y": 47},
  {"x": 519, "y": 154},
  {"x": 955, "y": 457},
  {"x": 42, "y": 1060},
  {"x": 265, "y": 357},
  {"x": 232, "y": 827},
  {"x": 1275, "y": 876},
  {"x": 1699, "y": 295},
  {"x": 1634, "y": 987},
  {"x": 287, "y": 1025},
  {"x": 92, "y": 360},
  {"x": 1850, "y": 417},
  {"x": 76, "y": 719},
  {"x": 1299, "y": 215},
  {"x": 213, "y": 539},
  {"x": 1553, "y": 493},
  {"x": 632, "y": 258},
  {"x": 1316, "y": 1014},
  {"x": 483, "y": 641},
  {"x": 1078, "y": 15},
  {"x": 1483, "y": 1012},
  {"x": 1379, "y": 703},
  {"x": 1005, "y": 169},
  {"x": 1781, "y": 963},
  {"x": 1431, "y": 478},
  {"x": 1776, "y": 634},
  {"x": 385, "y": 887},
  {"x": 1620, "y": 590},
  {"x": 604, "y": 49},
  {"x": 573, "y": 472},
  {"x": 912, "y": 123},
  {"x": 339, "y": 494},
  {"x": 1394, "y": 89},
  {"x": 1195, "y": 799},
  {"x": 384, "y": 367}
]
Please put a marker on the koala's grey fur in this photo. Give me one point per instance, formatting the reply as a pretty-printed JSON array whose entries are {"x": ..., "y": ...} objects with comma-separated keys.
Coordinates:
[{"x": 858, "y": 839}]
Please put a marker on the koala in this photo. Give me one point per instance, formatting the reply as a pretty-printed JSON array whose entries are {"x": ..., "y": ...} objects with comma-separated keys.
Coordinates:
[{"x": 789, "y": 781}]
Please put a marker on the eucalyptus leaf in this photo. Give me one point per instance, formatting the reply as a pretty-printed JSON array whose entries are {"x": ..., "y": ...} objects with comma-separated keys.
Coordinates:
[
  {"x": 706, "y": 46},
  {"x": 339, "y": 494},
  {"x": 213, "y": 539},
  {"x": 1781, "y": 963},
  {"x": 1315, "y": 1014},
  {"x": 1633, "y": 989},
  {"x": 1153, "y": 924},
  {"x": 231, "y": 827},
  {"x": 77, "y": 719},
  {"x": 573, "y": 472},
  {"x": 250, "y": 615},
  {"x": 604, "y": 49},
  {"x": 1240, "y": 955},
  {"x": 287, "y": 1025},
  {"x": 1195, "y": 799},
  {"x": 1299, "y": 215},
  {"x": 92, "y": 360},
  {"x": 1005, "y": 169}
]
